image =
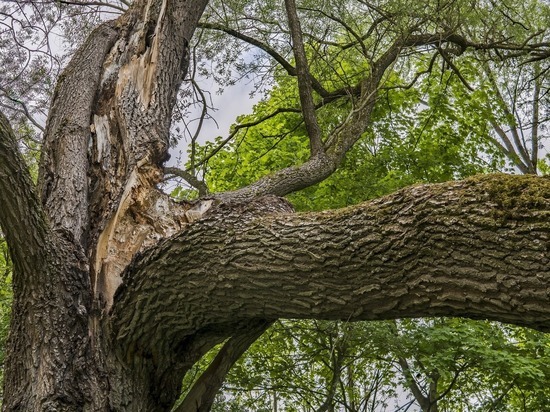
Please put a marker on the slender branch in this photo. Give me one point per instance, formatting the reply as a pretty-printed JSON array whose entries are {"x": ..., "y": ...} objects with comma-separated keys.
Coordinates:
[
  {"x": 336, "y": 359},
  {"x": 189, "y": 178},
  {"x": 23, "y": 109},
  {"x": 241, "y": 126},
  {"x": 94, "y": 3},
  {"x": 416, "y": 77},
  {"x": 455, "y": 69},
  {"x": 535, "y": 121},
  {"x": 358, "y": 39},
  {"x": 203, "y": 114},
  {"x": 453, "y": 382},
  {"x": 497, "y": 402},
  {"x": 519, "y": 147},
  {"x": 507, "y": 150},
  {"x": 304, "y": 83},
  {"x": 290, "y": 69},
  {"x": 422, "y": 400},
  {"x": 201, "y": 396}
]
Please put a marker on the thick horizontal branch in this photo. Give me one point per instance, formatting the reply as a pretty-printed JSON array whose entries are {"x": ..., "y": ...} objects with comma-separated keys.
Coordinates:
[{"x": 477, "y": 248}]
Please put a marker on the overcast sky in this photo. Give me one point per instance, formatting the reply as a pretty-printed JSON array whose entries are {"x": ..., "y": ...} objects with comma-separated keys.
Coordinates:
[{"x": 233, "y": 102}]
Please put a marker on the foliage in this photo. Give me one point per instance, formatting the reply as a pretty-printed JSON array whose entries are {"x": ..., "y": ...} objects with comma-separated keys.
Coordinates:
[
  {"x": 300, "y": 364},
  {"x": 409, "y": 142},
  {"x": 479, "y": 366},
  {"x": 5, "y": 302}
]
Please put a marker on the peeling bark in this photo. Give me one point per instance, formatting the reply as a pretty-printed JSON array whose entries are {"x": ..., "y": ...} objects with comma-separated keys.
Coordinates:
[
  {"x": 106, "y": 137},
  {"x": 64, "y": 163},
  {"x": 140, "y": 79}
]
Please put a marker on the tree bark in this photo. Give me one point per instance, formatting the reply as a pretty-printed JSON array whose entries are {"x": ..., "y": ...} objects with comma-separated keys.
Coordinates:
[
  {"x": 121, "y": 291},
  {"x": 476, "y": 248},
  {"x": 106, "y": 135},
  {"x": 48, "y": 355}
]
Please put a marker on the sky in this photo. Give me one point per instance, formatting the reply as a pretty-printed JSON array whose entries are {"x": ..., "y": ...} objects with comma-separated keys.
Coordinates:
[{"x": 233, "y": 102}]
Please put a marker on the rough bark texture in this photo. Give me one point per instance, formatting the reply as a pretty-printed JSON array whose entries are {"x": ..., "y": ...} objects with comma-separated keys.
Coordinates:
[
  {"x": 477, "y": 248},
  {"x": 49, "y": 364},
  {"x": 64, "y": 164},
  {"x": 119, "y": 291}
]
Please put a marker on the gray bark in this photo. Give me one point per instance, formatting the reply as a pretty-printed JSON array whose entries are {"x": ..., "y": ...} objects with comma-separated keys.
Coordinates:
[
  {"x": 48, "y": 365},
  {"x": 115, "y": 97},
  {"x": 477, "y": 249}
]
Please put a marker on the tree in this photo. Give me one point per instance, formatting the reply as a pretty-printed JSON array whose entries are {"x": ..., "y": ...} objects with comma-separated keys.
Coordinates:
[{"x": 118, "y": 291}]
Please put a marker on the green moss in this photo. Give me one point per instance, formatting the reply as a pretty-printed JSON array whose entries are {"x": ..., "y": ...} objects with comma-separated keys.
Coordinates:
[{"x": 515, "y": 197}]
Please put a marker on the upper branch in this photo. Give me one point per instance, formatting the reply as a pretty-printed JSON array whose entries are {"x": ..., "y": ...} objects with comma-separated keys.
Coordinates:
[
  {"x": 289, "y": 68},
  {"x": 342, "y": 138},
  {"x": 304, "y": 82},
  {"x": 189, "y": 178}
]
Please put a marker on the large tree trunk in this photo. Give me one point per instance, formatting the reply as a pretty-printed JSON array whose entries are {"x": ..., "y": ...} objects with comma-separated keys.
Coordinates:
[
  {"x": 119, "y": 291},
  {"x": 106, "y": 135}
]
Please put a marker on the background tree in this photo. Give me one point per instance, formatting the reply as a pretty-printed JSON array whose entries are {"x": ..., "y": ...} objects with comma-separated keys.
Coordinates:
[{"x": 118, "y": 291}]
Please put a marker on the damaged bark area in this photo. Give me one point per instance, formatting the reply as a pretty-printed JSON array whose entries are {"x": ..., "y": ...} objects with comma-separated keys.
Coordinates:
[
  {"x": 129, "y": 141},
  {"x": 105, "y": 141},
  {"x": 63, "y": 182}
]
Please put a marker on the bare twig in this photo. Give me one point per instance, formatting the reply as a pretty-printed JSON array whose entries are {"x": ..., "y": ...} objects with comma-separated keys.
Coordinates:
[
  {"x": 189, "y": 178},
  {"x": 23, "y": 109},
  {"x": 289, "y": 68},
  {"x": 240, "y": 126}
]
